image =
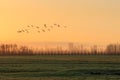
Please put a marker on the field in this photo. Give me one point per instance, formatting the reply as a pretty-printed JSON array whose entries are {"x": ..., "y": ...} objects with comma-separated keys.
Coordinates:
[{"x": 60, "y": 67}]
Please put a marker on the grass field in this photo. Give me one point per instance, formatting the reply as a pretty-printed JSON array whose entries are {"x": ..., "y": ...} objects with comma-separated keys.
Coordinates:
[{"x": 60, "y": 67}]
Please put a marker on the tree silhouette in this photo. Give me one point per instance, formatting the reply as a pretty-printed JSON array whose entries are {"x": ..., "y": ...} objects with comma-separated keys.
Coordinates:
[{"x": 14, "y": 49}]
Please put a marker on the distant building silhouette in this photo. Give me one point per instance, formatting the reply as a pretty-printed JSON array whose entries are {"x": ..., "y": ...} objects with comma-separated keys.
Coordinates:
[{"x": 71, "y": 47}]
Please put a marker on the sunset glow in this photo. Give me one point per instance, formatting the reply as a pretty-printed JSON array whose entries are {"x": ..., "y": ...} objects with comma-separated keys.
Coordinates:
[{"x": 87, "y": 21}]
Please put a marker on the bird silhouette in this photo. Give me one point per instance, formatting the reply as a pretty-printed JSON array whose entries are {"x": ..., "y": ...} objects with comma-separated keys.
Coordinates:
[
  {"x": 43, "y": 30},
  {"x": 32, "y": 26},
  {"x": 37, "y": 27},
  {"x": 23, "y": 30},
  {"x": 19, "y": 31},
  {"x": 28, "y": 26},
  {"x": 55, "y": 24},
  {"x": 38, "y": 31},
  {"x": 48, "y": 29},
  {"x": 58, "y": 25},
  {"x": 45, "y": 25},
  {"x": 27, "y": 30}
]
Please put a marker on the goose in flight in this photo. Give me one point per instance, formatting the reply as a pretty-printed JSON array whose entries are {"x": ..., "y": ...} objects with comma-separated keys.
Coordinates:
[
  {"x": 55, "y": 24},
  {"x": 19, "y": 31},
  {"x": 58, "y": 25},
  {"x": 38, "y": 31},
  {"x": 23, "y": 30},
  {"x": 37, "y": 27},
  {"x": 45, "y": 25},
  {"x": 48, "y": 29},
  {"x": 32, "y": 26},
  {"x": 43, "y": 30},
  {"x": 26, "y": 30},
  {"x": 28, "y": 26}
]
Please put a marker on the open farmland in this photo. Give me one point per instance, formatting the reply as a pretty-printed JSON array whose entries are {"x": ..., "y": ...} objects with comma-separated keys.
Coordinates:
[{"x": 60, "y": 67}]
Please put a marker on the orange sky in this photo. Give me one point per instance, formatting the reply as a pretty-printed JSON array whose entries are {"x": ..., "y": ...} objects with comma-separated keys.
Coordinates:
[{"x": 88, "y": 21}]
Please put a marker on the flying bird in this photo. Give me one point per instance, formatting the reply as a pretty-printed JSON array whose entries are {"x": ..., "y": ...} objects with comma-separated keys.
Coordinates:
[
  {"x": 55, "y": 24},
  {"x": 26, "y": 30},
  {"x": 37, "y": 27},
  {"x": 28, "y": 26},
  {"x": 48, "y": 29},
  {"x": 45, "y": 25},
  {"x": 23, "y": 30},
  {"x": 32, "y": 26},
  {"x": 43, "y": 30},
  {"x": 58, "y": 25},
  {"x": 19, "y": 31},
  {"x": 38, "y": 31}
]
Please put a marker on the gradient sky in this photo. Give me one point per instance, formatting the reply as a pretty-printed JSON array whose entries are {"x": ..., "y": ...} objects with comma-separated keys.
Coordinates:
[{"x": 88, "y": 21}]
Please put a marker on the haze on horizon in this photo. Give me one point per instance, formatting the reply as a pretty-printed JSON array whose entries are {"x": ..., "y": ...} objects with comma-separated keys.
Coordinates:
[{"x": 88, "y": 21}]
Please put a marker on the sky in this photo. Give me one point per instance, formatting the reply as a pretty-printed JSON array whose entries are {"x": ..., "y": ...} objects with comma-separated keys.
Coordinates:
[{"x": 87, "y": 21}]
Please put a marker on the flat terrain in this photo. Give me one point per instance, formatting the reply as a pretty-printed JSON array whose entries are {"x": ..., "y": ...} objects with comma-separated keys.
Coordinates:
[{"x": 60, "y": 67}]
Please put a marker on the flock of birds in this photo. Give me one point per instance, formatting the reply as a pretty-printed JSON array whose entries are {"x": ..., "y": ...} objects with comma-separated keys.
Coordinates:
[{"x": 39, "y": 29}]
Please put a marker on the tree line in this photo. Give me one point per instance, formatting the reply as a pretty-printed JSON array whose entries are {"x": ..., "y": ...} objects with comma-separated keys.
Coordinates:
[{"x": 14, "y": 49}]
